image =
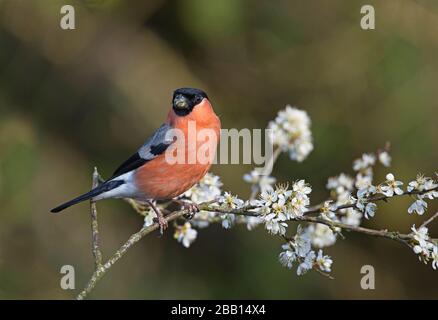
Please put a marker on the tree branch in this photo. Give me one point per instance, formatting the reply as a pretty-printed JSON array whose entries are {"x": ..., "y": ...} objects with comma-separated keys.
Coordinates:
[
  {"x": 95, "y": 226},
  {"x": 101, "y": 270}
]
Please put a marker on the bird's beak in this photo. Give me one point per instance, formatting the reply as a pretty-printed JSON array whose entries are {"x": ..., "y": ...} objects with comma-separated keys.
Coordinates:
[{"x": 181, "y": 102}]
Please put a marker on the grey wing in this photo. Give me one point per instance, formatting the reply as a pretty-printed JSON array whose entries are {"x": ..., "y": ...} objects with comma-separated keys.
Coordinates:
[{"x": 153, "y": 147}]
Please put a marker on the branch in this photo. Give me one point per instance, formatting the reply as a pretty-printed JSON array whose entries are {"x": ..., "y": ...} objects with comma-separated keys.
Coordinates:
[
  {"x": 95, "y": 226},
  {"x": 101, "y": 270}
]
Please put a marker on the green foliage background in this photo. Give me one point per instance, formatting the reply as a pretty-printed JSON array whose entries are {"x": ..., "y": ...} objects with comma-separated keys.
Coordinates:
[{"x": 70, "y": 100}]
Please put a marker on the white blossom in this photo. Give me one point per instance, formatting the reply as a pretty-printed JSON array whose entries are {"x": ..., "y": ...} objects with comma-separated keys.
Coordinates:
[
  {"x": 434, "y": 257},
  {"x": 423, "y": 246},
  {"x": 252, "y": 222},
  {"x": 185, "y": 234},
  {"x": 207, "y": 189},
  {"x": 274, "y": 226},
  {"x": 228, "y": 220},
  {"x": 392, "y": 186},
  {"x": 430, "y": 184},
  {"x": 149, "y": 218},
  {"x": 351, "y": 217},
  {"x": 368, "y": 208},
  {"x": 327, "y": 210},
  {"x": 385, "y": 158},
  {"x": 419, "y": 206},
  {"x": 323, "y": 262},
  {"x": 301, "y": 187},
  {"x": 231, "y": 201},
  {"x": 302, "y": 242},
  {"x": 340, "y": 183},
  {"x": 321, "y": 235},
  {"x": 288, "y": 256},
  {"x": 307, "y": 263},
  {"x": 291, "y": 132},
  {"x": 268, "y": 197},
  {"x": 367, "y": 160}
]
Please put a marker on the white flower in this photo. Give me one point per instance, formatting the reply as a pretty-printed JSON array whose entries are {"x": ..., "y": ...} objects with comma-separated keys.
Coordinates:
[
  {"x": 185, "y": 234},
  {"x": 423, "y": 246},
  {"x": 301, "y": 187},
  {"x": 231, "y": 201},
  {"x": 268, "y": 197},
  {"x": 321, "y": 235},
  {"x": 291, "y": 132},
  {"x": 149, "y": 218},
  {"x": 434, "y": 257},
  {"x": 283, "y": 191},
  {"x": 306, "y": 264},
  {"x": 302, "y": 242},
  {"x": 424, "y": 183},
  {"x": 340, "y": 183},
  {"x": 368, "y": 208},
  {"x": 297, "y": 206},
  {"x": 327, "y": 210},
  {"x": 207, "y": 189},
  {"x": 392, "y": 186},
  {"x": 420, "y": 234},
  {"x": 428, "y": 185},
  {"x": 351, "y": 217},
  {"x": 385, "y": 158},
  {"x": 367, "y": 160},
  {"x": 288, "y": 256},
  {"x": 323, "y": 262},
  {"x": 419, "y": 206},
  {"x": 363, "y": 181},
  {"x": 275, "y": 227},
  {"x": 252, "y": 222},
  {"x": 265, "y": 182},
  {"x": 228, "y": 220}
]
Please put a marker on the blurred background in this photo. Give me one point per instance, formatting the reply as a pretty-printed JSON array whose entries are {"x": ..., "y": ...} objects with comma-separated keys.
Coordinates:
[{"x": 74, "y": 99}]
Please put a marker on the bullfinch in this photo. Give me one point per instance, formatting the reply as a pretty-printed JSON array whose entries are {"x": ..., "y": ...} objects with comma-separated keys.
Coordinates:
[{"x": 148, "y": 174}]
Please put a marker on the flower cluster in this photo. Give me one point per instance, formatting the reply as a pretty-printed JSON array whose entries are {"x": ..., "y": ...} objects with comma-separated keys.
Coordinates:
[
  {"x": 424, "y": 247},
  {"x": 351, "y": 199},
  {"x": 207, "y": 189},
  {"x": 299, "y": 249},
  {"x": 282, "y": 204},
  {"x": 291, "y": 133},
  {"x": 185, "y": 234},
  {"x": 421, "y": 184}
]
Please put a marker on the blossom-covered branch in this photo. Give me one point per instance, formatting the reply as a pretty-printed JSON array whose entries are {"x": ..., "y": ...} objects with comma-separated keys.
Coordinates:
[{"x": 351, "y": 199}]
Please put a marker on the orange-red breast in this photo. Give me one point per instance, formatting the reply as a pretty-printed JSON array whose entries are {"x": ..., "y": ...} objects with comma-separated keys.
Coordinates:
[{"x": 148, "y": 174}]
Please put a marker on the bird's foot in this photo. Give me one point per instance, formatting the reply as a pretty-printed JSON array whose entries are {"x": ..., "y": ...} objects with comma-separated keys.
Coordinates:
[
  {"x": 191, "y": 207},
  {"x": 162, "y": 222}
]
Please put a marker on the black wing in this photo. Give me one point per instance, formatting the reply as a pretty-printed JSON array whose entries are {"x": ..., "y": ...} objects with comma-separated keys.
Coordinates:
[{"x": 154, "y": 146}]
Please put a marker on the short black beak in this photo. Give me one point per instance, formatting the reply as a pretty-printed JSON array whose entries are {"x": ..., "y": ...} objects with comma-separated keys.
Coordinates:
[{"x": 180, "y": 102}]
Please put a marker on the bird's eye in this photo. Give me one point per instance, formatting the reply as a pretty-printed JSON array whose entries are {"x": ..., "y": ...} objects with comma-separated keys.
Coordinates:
[{"x": 197, "y": 99}]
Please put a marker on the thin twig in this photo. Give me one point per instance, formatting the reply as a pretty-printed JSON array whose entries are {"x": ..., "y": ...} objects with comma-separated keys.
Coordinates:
[
  {"x": 425, "y": 223},
  {"x": 95, "y": 226}
]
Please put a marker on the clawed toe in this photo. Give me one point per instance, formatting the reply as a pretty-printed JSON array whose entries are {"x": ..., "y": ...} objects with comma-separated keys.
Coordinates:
[
  {"x": 192, "y": 209},
  {"x": 163, "y": 224}
]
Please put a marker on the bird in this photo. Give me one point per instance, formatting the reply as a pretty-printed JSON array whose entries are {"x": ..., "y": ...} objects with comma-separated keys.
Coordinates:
[{"x": 148, "y": 175}]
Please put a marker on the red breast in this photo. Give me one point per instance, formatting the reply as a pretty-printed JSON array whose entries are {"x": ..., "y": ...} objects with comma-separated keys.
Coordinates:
[{"x": 159, "y": 179}]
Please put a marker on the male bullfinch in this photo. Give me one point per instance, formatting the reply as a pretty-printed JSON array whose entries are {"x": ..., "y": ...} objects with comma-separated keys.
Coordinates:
[{"x": 148, "y": 175}]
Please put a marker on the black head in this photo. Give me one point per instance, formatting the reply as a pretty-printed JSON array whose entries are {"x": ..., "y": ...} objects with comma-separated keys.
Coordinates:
[{"x": 185, "y": 99}]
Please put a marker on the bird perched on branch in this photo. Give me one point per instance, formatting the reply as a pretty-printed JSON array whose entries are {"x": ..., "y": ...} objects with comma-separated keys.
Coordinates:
[{"x": 177, "y": 155}]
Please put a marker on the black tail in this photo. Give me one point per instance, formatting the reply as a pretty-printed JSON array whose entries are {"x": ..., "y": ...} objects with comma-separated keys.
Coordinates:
[{"x": 104, "y": 187}]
